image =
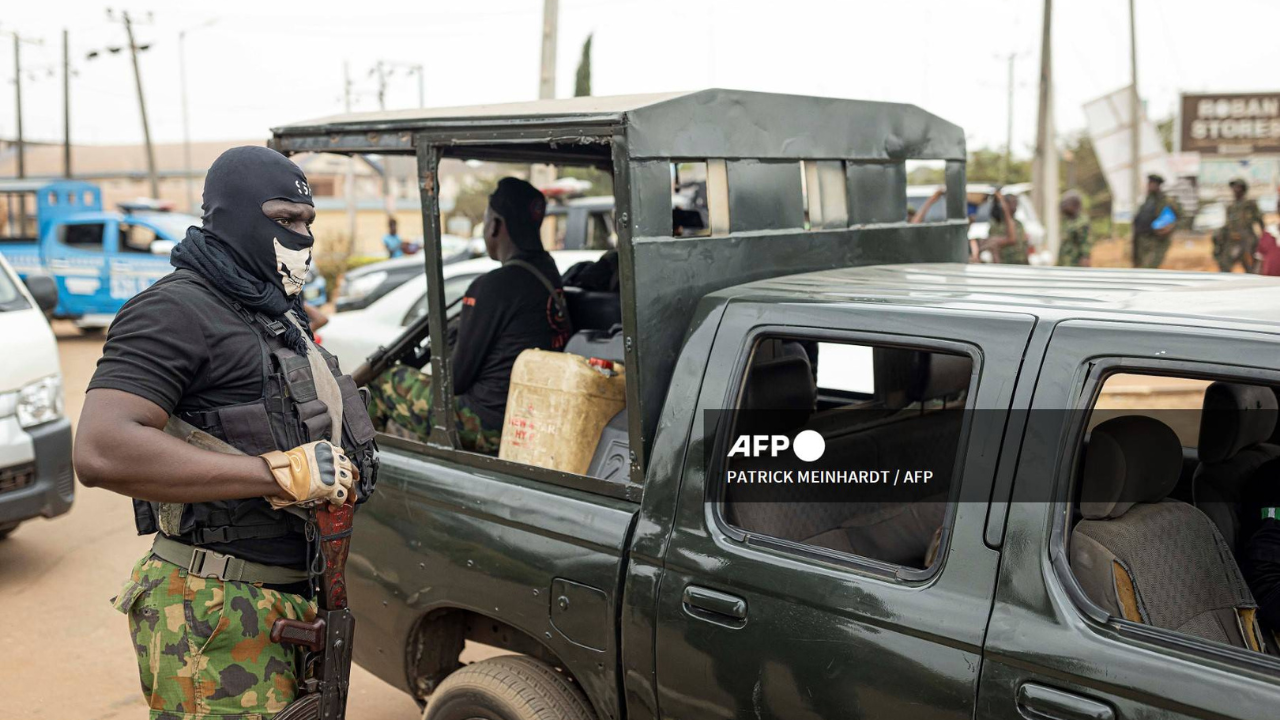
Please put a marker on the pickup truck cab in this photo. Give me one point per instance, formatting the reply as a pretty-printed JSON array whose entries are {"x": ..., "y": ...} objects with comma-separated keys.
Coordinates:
[
  {"x": 99, "y": 259},
  {"x": 957, "y": 547}
]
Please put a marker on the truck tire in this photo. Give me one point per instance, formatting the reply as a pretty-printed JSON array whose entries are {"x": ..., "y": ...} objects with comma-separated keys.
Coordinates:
[{"x": 511, "y": 687}]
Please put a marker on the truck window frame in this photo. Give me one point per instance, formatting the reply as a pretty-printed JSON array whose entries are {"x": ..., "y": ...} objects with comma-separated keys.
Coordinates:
[
  {"x": 100, "y": 248},
  {"x": 1087, "y": 387},
  {"x": 859, "y": 563}
]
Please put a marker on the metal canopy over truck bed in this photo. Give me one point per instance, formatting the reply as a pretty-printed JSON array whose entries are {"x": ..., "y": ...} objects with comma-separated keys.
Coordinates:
[{"x": 794, "y": 184}]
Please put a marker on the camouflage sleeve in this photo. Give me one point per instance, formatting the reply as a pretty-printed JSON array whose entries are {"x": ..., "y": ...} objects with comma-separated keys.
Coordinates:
[
  {"x": 1082, "y": 235},
  {"x": 1255, "y": 215}
]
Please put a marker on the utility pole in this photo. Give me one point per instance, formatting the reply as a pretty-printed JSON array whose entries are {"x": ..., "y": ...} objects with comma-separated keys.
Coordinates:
[
  {"x": 66, "y": 106},
  {"x": 152, "y": 177},
  {"x": 550, "y": 23},
  {"x": 422, "y": 86},
  {"x": 349, "y": 182},
  {"x": 380, "y": 69},
  {"x": 1135, "y": 112},
  {"x": 1008, "y": 142},
  {"x": 1044, "y": 175},
  {"x": 17, "y": 90}
]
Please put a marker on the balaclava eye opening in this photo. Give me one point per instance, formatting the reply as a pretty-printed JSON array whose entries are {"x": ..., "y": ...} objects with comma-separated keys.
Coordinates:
[{"x": 237, "y": 185}]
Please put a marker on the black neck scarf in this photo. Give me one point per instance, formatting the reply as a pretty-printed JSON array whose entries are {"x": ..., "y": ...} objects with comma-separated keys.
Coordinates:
[{"x": 241, "y": 251}]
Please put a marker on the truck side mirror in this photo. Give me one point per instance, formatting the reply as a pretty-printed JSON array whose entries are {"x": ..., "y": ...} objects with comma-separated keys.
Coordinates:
[
  {"x": 44, "y": 290},
  {"x": 162, "y": 247}
]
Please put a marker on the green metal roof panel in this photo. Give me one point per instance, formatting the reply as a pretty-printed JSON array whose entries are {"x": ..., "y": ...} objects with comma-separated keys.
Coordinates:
[{"x": 1164, "y": 293}]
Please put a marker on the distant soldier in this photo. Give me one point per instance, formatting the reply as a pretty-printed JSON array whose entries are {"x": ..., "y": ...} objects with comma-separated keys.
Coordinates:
[
  {"x": 1006, "y": 239},
  {"x": 1076, "y": 245},
  {"x": 1150, "y": 244},
  {"x": 1236, "y": 241}
]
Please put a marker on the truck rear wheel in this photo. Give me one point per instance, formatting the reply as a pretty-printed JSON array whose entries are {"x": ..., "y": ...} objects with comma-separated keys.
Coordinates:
[{"x": 511, "y": 687}]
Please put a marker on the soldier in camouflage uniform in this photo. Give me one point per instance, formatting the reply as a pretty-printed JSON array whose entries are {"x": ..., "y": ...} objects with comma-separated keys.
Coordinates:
[
  {"x": 517, "y": 307},
  {"x": 1076, "y": 245},
  {"x": 1008, "y": 243},
  {"x": 200, "y": 347},
  {"x": 402, "y": 395},
  {"x": 1237, "y": 241},
  {"x": 204, "y": 647},
  {"x": 1150, "y": 245}
]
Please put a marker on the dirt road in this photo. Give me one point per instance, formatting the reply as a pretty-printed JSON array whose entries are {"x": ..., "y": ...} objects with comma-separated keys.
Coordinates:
[{"x": 64, "y": 652}]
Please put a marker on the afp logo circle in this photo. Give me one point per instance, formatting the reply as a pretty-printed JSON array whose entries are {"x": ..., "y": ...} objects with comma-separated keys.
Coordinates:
[{"x": 808, "y": 445}]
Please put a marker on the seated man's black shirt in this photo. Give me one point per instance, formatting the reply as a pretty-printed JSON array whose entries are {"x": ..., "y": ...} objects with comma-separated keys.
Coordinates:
[
  {"x": 505, "y": 312},
  {"x": 183, "y": 348},
  {"x": 1260, "y": 556}
]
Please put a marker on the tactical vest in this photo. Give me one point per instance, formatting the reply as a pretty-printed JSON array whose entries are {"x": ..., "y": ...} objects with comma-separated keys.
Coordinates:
[{"x": 289, "y": 414}]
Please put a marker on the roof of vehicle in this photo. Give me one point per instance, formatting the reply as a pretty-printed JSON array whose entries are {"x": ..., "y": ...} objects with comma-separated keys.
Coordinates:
[
  {"x": 706, "y": 123},
  {"x": 593, "y": 202},
  {"x": 415, "y": 261},
  {"x": 1054, "y": 291}
]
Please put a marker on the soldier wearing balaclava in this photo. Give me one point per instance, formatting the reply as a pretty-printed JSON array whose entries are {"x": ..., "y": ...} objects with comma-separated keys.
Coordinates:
[
  {"x": 246, "y": 255},
  {"x": 213, "y": 408}
]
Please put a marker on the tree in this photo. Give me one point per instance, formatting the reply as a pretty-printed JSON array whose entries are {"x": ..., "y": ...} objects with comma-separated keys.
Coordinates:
[{"x": 582, "y": 84}]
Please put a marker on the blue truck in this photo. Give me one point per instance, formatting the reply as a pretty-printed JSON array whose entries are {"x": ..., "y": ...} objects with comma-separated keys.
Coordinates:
[{"x": 98, "y": 258}]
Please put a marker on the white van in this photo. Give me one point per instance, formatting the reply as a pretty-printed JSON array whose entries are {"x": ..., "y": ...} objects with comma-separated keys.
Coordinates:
[{"x": 36, "y": 478}]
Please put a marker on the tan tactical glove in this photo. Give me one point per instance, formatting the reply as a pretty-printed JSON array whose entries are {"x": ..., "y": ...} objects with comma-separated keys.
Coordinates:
[{"x": 309, "y": 473}]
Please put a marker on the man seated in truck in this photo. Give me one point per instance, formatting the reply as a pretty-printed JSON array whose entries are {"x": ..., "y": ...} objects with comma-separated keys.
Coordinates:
[{"x": 505, "y": 312}]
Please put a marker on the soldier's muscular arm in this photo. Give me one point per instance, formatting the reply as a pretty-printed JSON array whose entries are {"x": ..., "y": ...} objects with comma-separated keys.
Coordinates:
[{"x": 121, "y": 446}]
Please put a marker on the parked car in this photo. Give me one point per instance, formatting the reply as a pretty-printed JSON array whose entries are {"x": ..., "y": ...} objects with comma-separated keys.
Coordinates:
[
  {"x": 362, "y": 286},
  {"x": 584, "y": 223},
  {"x": 354, "y": 335},
  {"x": 36, "y": 479}
]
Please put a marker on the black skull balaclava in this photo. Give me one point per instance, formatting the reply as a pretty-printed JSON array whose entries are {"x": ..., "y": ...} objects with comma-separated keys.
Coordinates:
[{"x": 237, "y": 185}]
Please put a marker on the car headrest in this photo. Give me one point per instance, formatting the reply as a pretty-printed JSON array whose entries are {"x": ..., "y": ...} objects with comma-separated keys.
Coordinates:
[
  {"x": 905, "y": 376},
  {"x": 1233, "y": 417},
  {"x": 780, "y": 383},
  {"x": 940, "y": 376},
  {"x": 592, "y": 309},
  {"x": 1130, "y": 459}
]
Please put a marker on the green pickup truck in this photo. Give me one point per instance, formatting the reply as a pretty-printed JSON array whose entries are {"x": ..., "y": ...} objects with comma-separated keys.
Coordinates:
[{"x": 1079, "y": 556}]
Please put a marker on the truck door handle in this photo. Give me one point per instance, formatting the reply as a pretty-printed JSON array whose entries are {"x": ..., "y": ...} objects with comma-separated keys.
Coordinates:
[
  {"x": 714, "y": 605},
  {"x": 1039, "y": 701}
]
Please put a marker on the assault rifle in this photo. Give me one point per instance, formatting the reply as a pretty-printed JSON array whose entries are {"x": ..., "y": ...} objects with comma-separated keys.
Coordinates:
[
  {"x": 410, "y": 348},
  {"x": 326, "y": 679}
]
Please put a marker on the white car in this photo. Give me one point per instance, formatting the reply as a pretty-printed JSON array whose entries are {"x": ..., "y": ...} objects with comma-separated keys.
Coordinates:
[
  {"x": 35, "y": 436},
  {"x": 354, "y": 335}
]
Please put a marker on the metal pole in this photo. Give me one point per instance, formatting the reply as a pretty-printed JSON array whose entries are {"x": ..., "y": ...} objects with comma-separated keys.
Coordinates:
[
  {"x": 17, "y": 86},
  {"x": 66, "y": 107},
  {"x": 349, "y": 182},
  {"x": 1135, "y": 110},
  {"x": 1044, "y": 188},
  {"x": 1008, "y": 143},
  {"x": 422, "y": 87},
  {"x": 142, "y": 106},
  {"x": 550, "y": 22},
  {"x": 186, "y": 122}
]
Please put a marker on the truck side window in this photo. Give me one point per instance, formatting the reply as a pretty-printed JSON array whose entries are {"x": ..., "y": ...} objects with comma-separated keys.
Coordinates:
[
  {"x": 136, "y": 238},
  {"x": 82, "y": 236},
  {"x": 887, "y": 417},
  {"x": 1174, "y": 504}
]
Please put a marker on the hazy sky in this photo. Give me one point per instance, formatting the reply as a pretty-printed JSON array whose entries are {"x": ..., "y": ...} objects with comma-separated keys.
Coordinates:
[{"x": 256, "y": 67}]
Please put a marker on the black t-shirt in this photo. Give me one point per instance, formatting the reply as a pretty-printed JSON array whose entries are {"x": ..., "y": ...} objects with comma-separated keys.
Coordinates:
[
  {"x": 504, "y": 312},
  {"x": 183, "y": 348}
]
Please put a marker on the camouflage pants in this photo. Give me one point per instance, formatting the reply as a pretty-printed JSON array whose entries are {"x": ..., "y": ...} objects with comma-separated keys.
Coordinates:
[
  {"x": 1229, "y": 251},
  {"x": 203, "y": 645},
  {"x": 1151, "y": 250},
  {"x": 403, "y": 395}
]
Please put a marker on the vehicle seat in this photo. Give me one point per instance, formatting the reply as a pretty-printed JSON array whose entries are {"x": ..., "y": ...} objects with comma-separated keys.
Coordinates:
[
  {"x": 1147, "y": 558},
  {"x": 592, "y": 309},
  {"x": 1235, "y": 432},
  {"x": 603, "y": 344}
]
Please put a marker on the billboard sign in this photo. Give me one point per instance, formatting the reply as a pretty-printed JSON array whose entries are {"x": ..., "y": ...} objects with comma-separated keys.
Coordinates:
[{"x": 1230, "y": 123}]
